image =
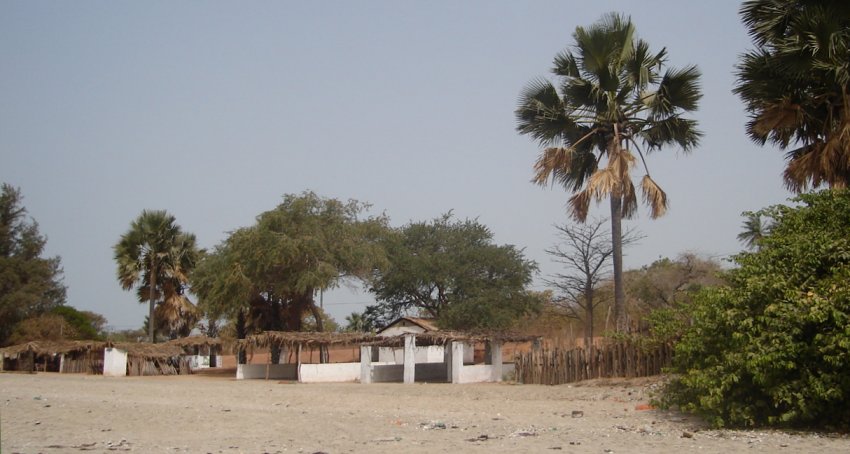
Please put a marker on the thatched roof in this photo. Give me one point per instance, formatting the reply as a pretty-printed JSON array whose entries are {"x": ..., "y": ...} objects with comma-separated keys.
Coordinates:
[
  {"x": 53, "y": 347},
  {"x": 195, "y": 341},
  {"x": 147, "y": 350},
  {"x": 445, "y": 337},
  {"x": 292, "y": 339}
]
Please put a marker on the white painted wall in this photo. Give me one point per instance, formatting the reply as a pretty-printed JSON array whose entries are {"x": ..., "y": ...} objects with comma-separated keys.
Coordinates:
[
  {"x": 428, "y": 354},
  {"x": 482, "y": 373},
  {"x": 114, "y": 362},
  {"x": 276, "y": 371},
  {"x": 477, "y": 373},
  {"x": 329, "y": 373}
]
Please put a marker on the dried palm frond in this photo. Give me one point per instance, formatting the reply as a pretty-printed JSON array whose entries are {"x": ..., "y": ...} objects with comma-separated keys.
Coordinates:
[
  {"x": 603, "y": 183},
  {"x": 552, "y": 160},
  {"x": 629, "y": 200},
  {"x": 621, "y": 162},
  {"x": 579, "y": 205},
  {"x": 654, "y": 196}
]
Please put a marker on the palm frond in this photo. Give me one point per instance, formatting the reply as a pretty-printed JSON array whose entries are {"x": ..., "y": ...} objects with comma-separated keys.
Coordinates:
[
  {"x": 580, "y": 205},
  {"x": 678, "y": 91},
  {"x": 629, "y": 203},
  {"x": 654, "y": 197},
  {"x": 551, "y": 159},
  {"x": 672, "y": 130},
  {"x": 541, "y": 114}
]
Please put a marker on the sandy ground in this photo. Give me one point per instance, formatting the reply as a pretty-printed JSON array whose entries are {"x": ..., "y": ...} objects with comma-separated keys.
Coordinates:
[{"x": 52, "y": 413}]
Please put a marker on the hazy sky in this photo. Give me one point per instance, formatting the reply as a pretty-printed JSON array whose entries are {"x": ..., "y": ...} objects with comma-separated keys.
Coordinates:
[{"x": 214, "y": 110}]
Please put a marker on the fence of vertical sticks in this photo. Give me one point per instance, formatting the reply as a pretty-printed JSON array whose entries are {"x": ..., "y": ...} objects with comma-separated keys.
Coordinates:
[{"x": 622, "y": 360}]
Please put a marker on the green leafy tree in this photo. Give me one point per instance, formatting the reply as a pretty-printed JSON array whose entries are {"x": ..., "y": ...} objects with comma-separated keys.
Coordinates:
[
  {"x": 87, "y": 325},
  {"x": 796, "y": 86},
  {"x": 611, "y": 106},
  {"x": 30, "y": 284},
  {"x": 451, "y": 270},
  {"x": 773, "y": 348},
  {"x": 156, "y": 257},
  {"x": 269, "y": 273}
]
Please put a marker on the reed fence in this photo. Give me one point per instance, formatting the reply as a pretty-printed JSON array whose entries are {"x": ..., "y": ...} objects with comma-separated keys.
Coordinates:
[{"x": 622, "y": 360}]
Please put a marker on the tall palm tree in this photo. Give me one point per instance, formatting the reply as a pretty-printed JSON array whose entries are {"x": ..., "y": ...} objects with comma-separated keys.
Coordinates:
[
  {"x": 157, "y": 257},
  {"x": 612, "y": 106},
  {"x": 796, "y": 86}
]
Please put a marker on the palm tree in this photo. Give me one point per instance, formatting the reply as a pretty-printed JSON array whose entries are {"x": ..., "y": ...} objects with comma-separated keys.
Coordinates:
[
  {"x": 796, "y": 86},
  {"x": 156, "y": 256},
  {"x": 612, "y": 105},
  {"x": 357, "y": 323},
  {"x": 755, "y": 229}
]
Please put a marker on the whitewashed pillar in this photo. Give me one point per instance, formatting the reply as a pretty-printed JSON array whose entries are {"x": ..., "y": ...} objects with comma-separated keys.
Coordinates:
[
  {"x": 365, "y": 364},
  {"x": 496, "y": 360},
  {"x": 457, "y": 361},
  {"x": 447, "y": 360},
  {"x": 409, "y": 358}
]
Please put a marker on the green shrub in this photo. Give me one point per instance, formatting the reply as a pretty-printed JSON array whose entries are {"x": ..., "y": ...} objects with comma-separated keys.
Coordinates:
[{"x": 773, "y": 348}]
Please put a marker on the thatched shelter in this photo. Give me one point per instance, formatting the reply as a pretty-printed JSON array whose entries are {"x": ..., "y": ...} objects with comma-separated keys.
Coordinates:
[
  {"x": 295, "y": 342},
  {"x": 68, "y": 356},
  {"x": 446, "y": 365},
  {"x": 152, "y": 359},
  {"x": 445, "y": 359}
]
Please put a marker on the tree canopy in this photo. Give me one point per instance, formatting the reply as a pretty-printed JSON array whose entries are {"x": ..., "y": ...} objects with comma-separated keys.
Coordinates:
[
  {"x": 773, "y": 348},
  {"x": 157, "y": 258},
  {"x": 796, "y": 86},
  {"x": 450, "y": 270},
  {"x": 30, "y": 284},
  {"x": 269, "y": 272}
]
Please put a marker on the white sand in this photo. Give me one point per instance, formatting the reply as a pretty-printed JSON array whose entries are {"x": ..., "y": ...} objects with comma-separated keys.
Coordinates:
[{"x": 53, "y": 413}]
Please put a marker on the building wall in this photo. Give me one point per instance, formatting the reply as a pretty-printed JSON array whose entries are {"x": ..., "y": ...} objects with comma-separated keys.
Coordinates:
[
  {"x": 114, "y": 362},
  {"x": 402, "y": 327},
  {"x": 480, "y": 373},
  {"x": 330, "y": 373},
  {"x": 383, "y": 373},
  {"x": 429, "y": 354},
  {"x": 276, "y": 371}
]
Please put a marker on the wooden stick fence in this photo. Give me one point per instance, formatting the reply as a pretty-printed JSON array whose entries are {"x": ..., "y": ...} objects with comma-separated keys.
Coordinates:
[{"x": 558, "y": 366}]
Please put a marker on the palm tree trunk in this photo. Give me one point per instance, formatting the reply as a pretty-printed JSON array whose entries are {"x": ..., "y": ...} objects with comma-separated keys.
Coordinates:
[
  {"x": 324, "y": 355},
  {"x": 151, "y": 322},
  {"x": 617, "y": 246}
]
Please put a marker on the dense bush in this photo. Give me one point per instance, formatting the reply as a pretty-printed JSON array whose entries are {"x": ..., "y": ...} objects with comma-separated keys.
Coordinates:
[{"x": 773, "y": 348}]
